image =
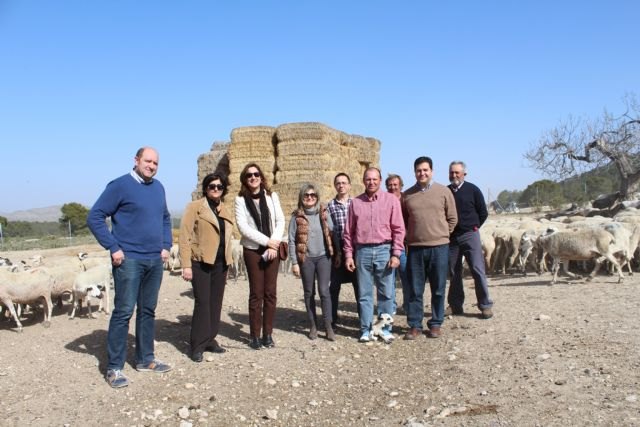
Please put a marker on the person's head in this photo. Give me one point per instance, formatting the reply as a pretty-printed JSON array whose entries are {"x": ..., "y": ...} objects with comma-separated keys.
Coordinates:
[
  {"x": 342, "y": 184},
  {"x": 423, "y": 168},
  {"x": 457, "y": 172},
  {"x": 308, "y": 197},
  {"x": 371, "y": 180},
  {"x": 146, "y": 163},
  {"x": 394, "y": 184},
  {"x": 252, "y": 180},
  {"x": 215, "y": 186}
]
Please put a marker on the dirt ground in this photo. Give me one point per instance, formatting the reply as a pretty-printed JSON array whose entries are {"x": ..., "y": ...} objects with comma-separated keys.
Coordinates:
[{"x": 566, "y": 354}]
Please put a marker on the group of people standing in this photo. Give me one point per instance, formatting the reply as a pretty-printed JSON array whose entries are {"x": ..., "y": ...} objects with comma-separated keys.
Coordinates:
[{"x": 421, "y": 233}]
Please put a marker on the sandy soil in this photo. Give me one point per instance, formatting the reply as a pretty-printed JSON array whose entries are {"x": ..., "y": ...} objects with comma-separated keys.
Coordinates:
[{"x": 566, "y": 354}]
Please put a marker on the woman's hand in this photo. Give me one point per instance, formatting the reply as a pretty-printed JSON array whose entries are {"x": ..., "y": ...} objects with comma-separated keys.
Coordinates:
[
  {"x": 187, "y": 274},
  {"x": 296, "y": 270},
  {"x": 272, "y": 254},
  {"x": 273, "y": 244}
]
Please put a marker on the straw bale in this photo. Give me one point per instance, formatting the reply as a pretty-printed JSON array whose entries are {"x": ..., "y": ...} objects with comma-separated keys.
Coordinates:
[
  {"x": 216, "y": 159},
  {"x": 307, "y": 131},
  {"x": 251, "y": 134}
]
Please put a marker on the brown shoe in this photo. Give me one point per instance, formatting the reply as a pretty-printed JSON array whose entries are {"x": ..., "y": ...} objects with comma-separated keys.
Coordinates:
[
  {"x": 434, "y": 332},
  {"x": 412, "y": 334},
  {"x": 486, "y": 313}
]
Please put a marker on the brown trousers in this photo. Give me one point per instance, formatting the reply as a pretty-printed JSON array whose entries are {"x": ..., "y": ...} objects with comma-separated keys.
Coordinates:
[{"x": 263, "y": 281}]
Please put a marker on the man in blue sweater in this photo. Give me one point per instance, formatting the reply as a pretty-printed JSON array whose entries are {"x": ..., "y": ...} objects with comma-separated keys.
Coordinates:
[
  {"x": 465, "y": 241},
  {"x": 139, "y": 242}
]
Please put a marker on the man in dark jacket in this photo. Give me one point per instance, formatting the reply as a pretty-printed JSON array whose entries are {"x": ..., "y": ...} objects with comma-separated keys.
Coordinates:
[{"x": 465, "y": 241}]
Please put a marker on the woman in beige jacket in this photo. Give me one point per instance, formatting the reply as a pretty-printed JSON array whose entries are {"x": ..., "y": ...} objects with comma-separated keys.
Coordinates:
[{"x": 205, "y": 256}]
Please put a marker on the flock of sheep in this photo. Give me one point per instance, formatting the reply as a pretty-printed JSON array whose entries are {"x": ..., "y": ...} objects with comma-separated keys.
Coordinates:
[
  {"x": 510, "y": 244},
  {"x": 52, "y": 279}
]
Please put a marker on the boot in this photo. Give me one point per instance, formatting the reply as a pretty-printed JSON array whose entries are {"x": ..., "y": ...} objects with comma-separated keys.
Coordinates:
[{"x": 313, "y": 330}]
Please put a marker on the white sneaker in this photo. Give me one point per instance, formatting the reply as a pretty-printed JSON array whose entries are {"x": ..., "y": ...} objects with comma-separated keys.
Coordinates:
[{"x": 366, "y": 337}]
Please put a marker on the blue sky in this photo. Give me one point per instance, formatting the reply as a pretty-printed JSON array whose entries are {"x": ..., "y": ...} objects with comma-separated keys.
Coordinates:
[{"x": 83, "y": 84}]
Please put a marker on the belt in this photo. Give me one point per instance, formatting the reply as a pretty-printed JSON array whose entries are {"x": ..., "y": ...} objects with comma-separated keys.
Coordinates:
[{"x": 386, "y": 242}]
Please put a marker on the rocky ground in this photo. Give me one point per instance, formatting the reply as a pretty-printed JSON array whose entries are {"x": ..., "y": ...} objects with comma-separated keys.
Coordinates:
[{"x": 566, "y": 354}]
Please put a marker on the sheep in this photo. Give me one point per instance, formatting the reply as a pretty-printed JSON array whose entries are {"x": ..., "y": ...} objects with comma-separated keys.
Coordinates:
[
  {"x": 586, "y": 244},
  {"x": 174, "y": 258},
  {"x": 92, "y": 283},
  {"x": 238, "y": 259},
  {"x": 5, "y": 262},
  {"x": 507, "y": 247},
  {"x": 488, "y": 246},
  {"x": 627, "y": 237},
  {"x": 25, "y": 288}
]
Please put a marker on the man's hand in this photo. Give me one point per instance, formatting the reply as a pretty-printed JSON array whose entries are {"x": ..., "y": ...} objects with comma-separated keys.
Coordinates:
[
  {"x": 296, "y": 270},
  {"x": 164, "y": 255},
  {"x": 349, "y": 264},
  {"x": 117, "y": 257},
  {"x": 187, "y": 274},
  {"x": 394, "y": 262}
]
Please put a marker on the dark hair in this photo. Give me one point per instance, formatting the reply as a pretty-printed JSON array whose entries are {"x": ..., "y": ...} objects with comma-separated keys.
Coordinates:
[
  {"x": 217, "y": 175},
  {"x": 339, "y": 175},
  {"x": 244, "y": 190},
  {"x": 305, "y": 187},
  {"x": 393, "y": 176},
  {"x": 423, "y": 159}
]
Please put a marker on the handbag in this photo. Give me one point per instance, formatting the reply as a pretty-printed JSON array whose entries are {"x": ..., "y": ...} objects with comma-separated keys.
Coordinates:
[{"x": 283, "y": 251}]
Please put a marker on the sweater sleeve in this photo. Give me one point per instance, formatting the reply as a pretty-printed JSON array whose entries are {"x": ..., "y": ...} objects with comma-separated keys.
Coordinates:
[
  {"x": 106, "y": 205},
  {"x": 293, "y": 227},
  {"x": 278, "y": 230}
]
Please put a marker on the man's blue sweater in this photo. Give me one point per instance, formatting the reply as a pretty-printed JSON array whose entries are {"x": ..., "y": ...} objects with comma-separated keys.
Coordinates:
[
  {"x": 471, "y": 208},
  {"x": 140, "y": 220}
]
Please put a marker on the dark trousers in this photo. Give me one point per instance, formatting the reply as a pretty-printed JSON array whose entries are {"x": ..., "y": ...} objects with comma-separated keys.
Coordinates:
[
  {"x": 208, "y": 290},
  {"x": 468, "y": 245},
  {"x": 263, "y": 281},
  {"x": 310, "y": 269},
  {"x": 339, "y": 276}
]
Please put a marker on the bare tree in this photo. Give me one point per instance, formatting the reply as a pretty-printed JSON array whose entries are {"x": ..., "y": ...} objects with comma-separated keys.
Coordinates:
[{"x": 576, "y": 146}]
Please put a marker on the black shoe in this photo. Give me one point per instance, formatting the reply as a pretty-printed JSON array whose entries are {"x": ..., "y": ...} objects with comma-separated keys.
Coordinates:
[
  {"x": 197, "y": 356},
  {"x": 214, "y": 347},
  {"x": 255, "y": 343},
  {"x": 267, "y": 341}
]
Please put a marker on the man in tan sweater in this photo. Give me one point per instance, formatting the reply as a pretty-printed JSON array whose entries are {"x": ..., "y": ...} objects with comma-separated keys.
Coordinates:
[{"x": 429, "y": 210}]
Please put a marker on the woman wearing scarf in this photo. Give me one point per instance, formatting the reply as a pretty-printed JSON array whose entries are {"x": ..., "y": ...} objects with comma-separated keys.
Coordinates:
[
  {"x": 261, "y": 224},
  {"x": 205, "y": 256},
  {"x": 310, "y": 234}
]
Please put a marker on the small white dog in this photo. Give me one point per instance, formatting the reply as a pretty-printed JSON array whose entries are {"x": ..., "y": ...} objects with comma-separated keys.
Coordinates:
[{"x": 377, "y": 331}]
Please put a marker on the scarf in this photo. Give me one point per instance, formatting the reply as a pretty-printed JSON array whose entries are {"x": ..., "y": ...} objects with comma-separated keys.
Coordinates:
[{"x": 262, "y": 218}]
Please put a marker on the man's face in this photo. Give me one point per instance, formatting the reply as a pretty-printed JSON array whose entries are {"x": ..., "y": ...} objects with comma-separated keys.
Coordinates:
[
  {"x": 456, "y": 174},
  {"x": 394, "y": 187},
  {"x": 371, "y": 181},
  {"x": 342, "y": 185},
  {"x": 147, "y": 164},
  {"x": 423, "y": 173}
]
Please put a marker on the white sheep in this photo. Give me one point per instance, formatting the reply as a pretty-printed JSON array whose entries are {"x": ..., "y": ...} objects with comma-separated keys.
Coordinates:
[
  {"x": 237, "y": 257},
  {"x": 586, "y": 244},
  {"x": 94, "y": 282},
  {"x": 27, "y": 287}
]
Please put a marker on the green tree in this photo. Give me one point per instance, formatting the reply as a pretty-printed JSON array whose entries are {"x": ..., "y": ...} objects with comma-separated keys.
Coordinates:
[
  {"x": 505, "y": 197},
  {"x": 543, "y": 193},
  {"x": 18, "y": 229},
  {"x": 3, "y": 221},
  {"x": 76, "y": 214}
]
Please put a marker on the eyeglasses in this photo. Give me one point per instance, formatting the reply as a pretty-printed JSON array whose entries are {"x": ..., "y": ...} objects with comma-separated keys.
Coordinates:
[
  {"x": 218, "y": 187},
  {"x": 310, "y": 196},
  {"x": 252, "y": 174}
]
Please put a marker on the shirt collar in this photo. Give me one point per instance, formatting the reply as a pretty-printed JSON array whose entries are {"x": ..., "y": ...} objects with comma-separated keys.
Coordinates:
[
  {"x": 139, "y": 179},
  {"x": 425, "y": 188}
]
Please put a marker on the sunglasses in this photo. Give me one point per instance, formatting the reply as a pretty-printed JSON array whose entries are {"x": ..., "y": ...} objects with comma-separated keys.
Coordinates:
[
  {"x": 218, "y": 187},
  {"x": 252, "y": 174},
  {"x": 310, "y": 196}
]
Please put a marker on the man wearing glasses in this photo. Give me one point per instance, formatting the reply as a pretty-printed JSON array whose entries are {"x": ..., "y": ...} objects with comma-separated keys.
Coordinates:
[
  {"x": 338, "y": 208},
  {"x": 374, "y": 236}
]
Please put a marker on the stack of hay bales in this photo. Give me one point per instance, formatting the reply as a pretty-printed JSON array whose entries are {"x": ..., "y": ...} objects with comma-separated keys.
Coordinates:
[
  {"x": 290, "y": 155},
  {"x": 215, "y": 159}
]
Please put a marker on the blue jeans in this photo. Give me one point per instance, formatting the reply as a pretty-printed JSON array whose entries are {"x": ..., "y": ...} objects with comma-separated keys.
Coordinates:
[
  {"x": 137, "y": 282},
  {"x": 372, "y": 266},
  {"x": 404, "y": 281},
  {"x": 468, "y": 245},
  {"x": 427, "y": 263}
]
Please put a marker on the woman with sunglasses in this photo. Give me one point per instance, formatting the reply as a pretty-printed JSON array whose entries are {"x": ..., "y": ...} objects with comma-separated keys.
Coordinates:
[
  {"x": 205, "y": 256},
  {"x": 261, "y": 223},
  {"x": 310, "y": 234}
]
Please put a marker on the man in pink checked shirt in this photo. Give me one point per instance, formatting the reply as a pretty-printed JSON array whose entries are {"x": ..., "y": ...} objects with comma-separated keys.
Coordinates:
[{"x": 374, "y": 236}]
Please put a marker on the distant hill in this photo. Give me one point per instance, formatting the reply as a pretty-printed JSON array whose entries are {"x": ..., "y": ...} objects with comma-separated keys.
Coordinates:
[{"x": 48, "y": 214}]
